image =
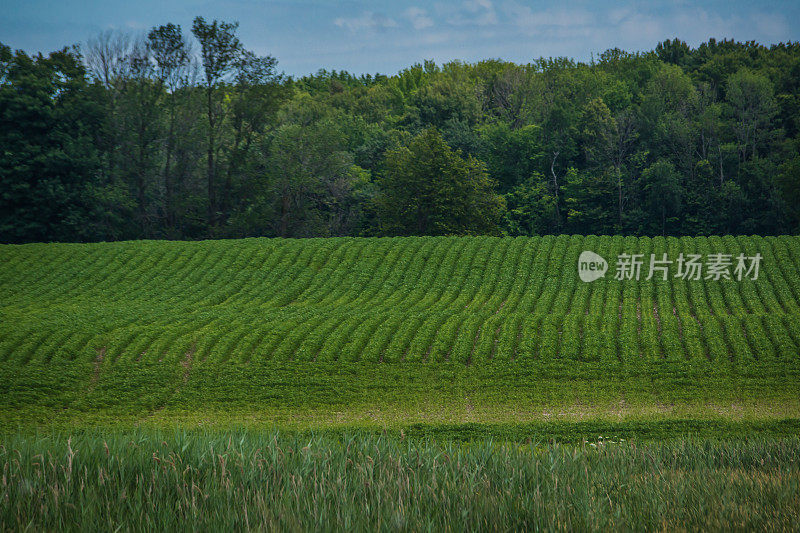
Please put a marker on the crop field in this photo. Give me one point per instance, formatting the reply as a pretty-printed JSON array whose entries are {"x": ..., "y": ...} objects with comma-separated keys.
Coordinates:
[
  {"x": 412, "y": 383},
  {"x": 392, "y": 330}
]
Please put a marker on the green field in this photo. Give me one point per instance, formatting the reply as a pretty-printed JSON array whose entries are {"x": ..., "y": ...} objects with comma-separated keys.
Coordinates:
[
  {"x": 393, "y": 332},
  {"x": 396, "y": 384}
]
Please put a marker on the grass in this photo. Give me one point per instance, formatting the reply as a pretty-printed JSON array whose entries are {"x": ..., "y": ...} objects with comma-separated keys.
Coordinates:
[
  {"x": 388, "y": 395},
  {"x": 395, "y": 384},
  {"x": 168, "y": 480}
]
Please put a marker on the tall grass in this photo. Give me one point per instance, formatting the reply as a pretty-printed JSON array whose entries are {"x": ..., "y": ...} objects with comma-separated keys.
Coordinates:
[{"x": 150, "y": 480}]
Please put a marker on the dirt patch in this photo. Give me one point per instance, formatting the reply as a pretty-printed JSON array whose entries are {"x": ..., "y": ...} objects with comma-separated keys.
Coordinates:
[
  {"x": 657, "y": 316},
  {"x": 680, "y": 324},
  {"x": 187, "y": 362},
  {"x": 474, "y": 344},
  {"x": 495, "y": 341},
  {"x": 98, "y": 363}
]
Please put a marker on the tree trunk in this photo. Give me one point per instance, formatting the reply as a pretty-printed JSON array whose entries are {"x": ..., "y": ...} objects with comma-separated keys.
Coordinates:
[
  {"x": 168, "y": 183},
  {"x": 212, "y": 199},
  {"x": 555, "y": 189},
  {"x": 619, "y": 191},
  {"x": 233, "y": 167},
  {"x": 285, "y": 205},
  {"x": 140, "y": 175}
]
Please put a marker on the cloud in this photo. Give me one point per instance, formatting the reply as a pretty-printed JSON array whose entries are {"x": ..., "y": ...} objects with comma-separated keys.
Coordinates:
[
  {"x": 367, "y": 21},
  {"x": 530, "y": 21},
  {"x": 521, "y": 30},
  {"x": 643, "y": 30},
  {"x": 772, "y": 26},
  {"x": 475, "y": 5},
  {"x": 135, "y": 25},
  {"x": 483, "y": 11},
  {"x": 474, "y": 13},
  {"x": 419, "y": 18},
  {"x": 636, "y": 27}
]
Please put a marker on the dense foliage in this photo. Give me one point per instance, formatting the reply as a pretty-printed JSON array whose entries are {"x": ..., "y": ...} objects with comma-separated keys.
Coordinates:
[{"x": 167, "y": 137}]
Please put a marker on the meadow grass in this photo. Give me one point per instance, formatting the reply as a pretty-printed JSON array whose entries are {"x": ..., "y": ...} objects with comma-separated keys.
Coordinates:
[{"x": 226, "y": 480}]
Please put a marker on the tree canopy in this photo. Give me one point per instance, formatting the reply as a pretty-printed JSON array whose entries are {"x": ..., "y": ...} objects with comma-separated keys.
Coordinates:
[
  {"x": 188, "y": 136},
  {"x": 429, "y": 189}
]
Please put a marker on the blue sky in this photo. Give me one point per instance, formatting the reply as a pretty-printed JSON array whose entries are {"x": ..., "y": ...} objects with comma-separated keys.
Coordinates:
[{"x": 384, "y": 36}]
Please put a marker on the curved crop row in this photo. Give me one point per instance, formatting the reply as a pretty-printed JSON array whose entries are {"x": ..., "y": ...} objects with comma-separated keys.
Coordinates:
[{"x": 469, "y": 300}]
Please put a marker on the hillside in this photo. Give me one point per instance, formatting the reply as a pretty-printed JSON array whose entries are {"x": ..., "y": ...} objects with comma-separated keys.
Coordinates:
[{"x": 416, "y": 328}]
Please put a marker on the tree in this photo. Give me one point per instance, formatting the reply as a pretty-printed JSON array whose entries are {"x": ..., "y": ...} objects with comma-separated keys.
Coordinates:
[
  {"x": 428, "y": 189},
  {"x": 503, "y": 93},
  {"x": 511, "y": 155},
  {"x": 557, "y": 113},
  {"x": 253, "y": 102},
  {"x": 789, "y": 186},
  {"x": 662, "y": 189},
  {"x": 448, "y": 97},
  {"x": 219, "y": 50},
  {"x": 172, "y": 57},
  {"x": 669, "y": 106},
  {"x": 597, "y": 131},
  {"x": 624, "y": 141},
  {"x": 752, "y": 103},
  {"x": 108, "y": 61},
  {"x": 314, "y": 181},
  {"x": 140, "y": 132},
  {"x": 49, "y": 161},
  {"x": 673, "y": 51},
  {"x": 589, "y": 198},
  {"x": 170, "y": 142},
  {"x": 531, "y": 207}
]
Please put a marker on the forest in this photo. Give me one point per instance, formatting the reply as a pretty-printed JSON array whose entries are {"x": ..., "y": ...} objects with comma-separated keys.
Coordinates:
[{"x": 176, "y": 134}]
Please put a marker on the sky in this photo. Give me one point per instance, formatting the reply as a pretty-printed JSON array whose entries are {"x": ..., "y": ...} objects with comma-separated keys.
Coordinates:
[{"x": 386, "y": 36}]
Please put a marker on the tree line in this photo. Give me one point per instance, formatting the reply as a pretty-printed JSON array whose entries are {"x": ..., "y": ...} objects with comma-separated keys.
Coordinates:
[{"x": 174, "y": 135}]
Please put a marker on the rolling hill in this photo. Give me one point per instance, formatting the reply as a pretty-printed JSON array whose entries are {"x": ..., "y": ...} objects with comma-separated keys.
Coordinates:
[{"x": 396, "y": 330}]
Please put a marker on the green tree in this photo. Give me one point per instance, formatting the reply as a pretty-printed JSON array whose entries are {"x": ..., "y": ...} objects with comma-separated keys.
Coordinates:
[
  {"x": 172, "y": 58},
  {"x": 314, "y": 183},
  {"x": 511, "y": 155},
  {"x": 429, "y": 189},
  {"x": 589, "y": 199},
  {"x": 663, "y": 192},
  {"x": 674, "y": 51},
  {"x": 253, "y": 100},
  {"x": 597, "y": 132},
  {"x": 669, "y": 106},
  {"x": 531, "y": 207},
  {"x": 448, "y": 98},
  {"x": 139, "y": 119},
  {"x": 50, "y": 117},
  {"x": 219, "y": 50},
  {"x": 789, "y": 186},
  {"x": 752, "y": 103}
]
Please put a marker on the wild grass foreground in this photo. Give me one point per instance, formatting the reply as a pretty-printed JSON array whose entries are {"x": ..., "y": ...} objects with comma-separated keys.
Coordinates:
[{"x": 150, "y": 480}]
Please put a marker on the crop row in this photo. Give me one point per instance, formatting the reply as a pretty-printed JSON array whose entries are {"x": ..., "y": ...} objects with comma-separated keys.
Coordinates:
[{"x": 467, "y": 300}]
